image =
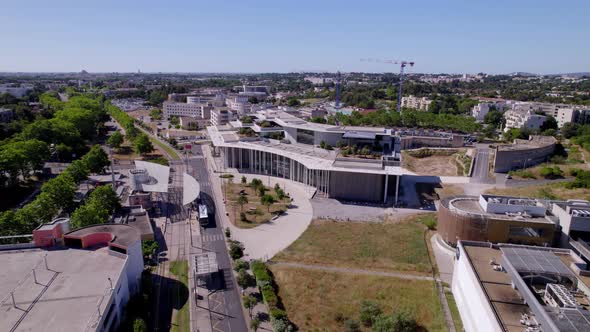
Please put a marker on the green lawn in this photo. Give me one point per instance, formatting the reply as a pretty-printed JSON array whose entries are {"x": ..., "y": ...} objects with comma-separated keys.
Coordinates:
[
  {"x": 318, "y": 300},
  {"x": 182, "y": 317},
  {"x": 166, "y": 148},
  {"x": 380, "y": 246},
  {"x": 454, "y": 311}
]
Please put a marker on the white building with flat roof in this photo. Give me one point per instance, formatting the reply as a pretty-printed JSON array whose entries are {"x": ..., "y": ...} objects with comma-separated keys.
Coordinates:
[
  {"x": 195, "y": 110},
  {"x": 83, "y": 287},
  {"x": 419, "y": 103}
]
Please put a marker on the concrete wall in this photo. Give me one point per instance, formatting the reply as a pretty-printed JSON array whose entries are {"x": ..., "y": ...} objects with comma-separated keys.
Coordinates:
[
  {"x": 475, "y": 310},
  {"x": 414, "y": 142},
  {"x": 357, "y": 186},
  {"x": 508, "y": 160}
]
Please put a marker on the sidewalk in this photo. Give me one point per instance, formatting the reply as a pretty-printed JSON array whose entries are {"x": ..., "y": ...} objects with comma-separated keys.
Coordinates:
[{"x": 266, "y": 240}]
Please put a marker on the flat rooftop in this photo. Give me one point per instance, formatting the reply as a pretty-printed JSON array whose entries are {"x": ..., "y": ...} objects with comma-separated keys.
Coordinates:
[
  {"x": 508, "y": 303},
  {"x": 497, "y": 285},
  {"x": 470, "y": 205},
  {"x": 65, "y": 297}
]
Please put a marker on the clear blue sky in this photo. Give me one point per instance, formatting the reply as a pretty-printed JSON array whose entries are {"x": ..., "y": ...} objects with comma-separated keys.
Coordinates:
[{"x": 296, "y": 35}]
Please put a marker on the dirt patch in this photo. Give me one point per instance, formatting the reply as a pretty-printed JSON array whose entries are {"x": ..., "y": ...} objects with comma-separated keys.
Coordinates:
[{"x": 442, "y": 162}]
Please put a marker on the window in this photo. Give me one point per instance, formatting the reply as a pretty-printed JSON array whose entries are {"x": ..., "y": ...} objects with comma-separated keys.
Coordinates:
[{"x": 305, "y": 136}]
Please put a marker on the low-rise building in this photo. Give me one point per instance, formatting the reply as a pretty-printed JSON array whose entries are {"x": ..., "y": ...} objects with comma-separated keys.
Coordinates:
[
  {"x": 419, "y": 103},
  {"x": 222, "y": 116},
  {"x": 507, "y": 287},
  {"x": 17, "y": 91},
  {"x": 497, "y": 219},
  {"x": 83, "y": 284}
]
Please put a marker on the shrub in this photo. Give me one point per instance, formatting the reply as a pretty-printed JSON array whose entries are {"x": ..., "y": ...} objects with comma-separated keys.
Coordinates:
[
  {"x": 240, "y": 265},
  {"x": 245, "y": 279},
  {"x": 352, "y": 325},
  {"x": 280, "y": 325},
  {"x": 551, "y": 172},
  {"x": 227, "y": 232},
  {"x": 369, "y": 312},
  {"x": 269, "y": 296},
  {"x": 429, "y": 221},
  {"x": 236, "y": 250},
  {"x": 277, "y": 313}
]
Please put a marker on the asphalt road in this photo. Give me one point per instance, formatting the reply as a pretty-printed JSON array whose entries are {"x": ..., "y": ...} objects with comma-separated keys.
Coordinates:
[
  {"x": 225, "y": 302},
  {"x": 482, "y": 165}
]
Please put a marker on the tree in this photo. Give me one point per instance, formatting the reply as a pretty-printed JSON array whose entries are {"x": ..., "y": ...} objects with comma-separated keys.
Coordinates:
[
  {"x": 156, "y": 114},
  {"x": 143, "y": 144},
  {"x": 96, "y": 159},
  {"x": 249, "y": 302},
  {"x": 107, "y": 198},
  {"x": 550, "y": 123},
  {"x": 236, "y": 250},
  {"x": 255, "y": 324},
  {"x": 253, "y": 100},
  {"x": 245, "y": 279},
  {"x": 149, "y": 248},
  {"x": 91, "y": 213},
  {"x": 494, "y": 118},
  {"x": 242, "y": 199},
  {"x": 139, "y": 325},
  {"x": 570, "y": 129},
  {"x": 293, "y": 101},
  {"x": 78, "y": 171},
  {"x": 115, "y": 140},
  {"x": 267, "y": 200},
  {"x": 260, "y": 190},
  {"x": 60, "y": 191},
  {"x": 369, "y": 312}
]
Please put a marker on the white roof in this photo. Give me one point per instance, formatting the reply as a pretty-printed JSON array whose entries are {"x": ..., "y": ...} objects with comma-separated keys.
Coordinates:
[
  {"x": 159, "y": 173},
  {"x": 190, "y": 189}
]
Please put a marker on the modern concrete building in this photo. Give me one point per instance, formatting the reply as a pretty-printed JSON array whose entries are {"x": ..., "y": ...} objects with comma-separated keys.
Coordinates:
[
  {"x": 82, "y": 284},
  {"x": 497, "y": 219},
  {"x": 200, "y": 110},
  {"x": 419, "y": 103},
  {"x": 507, "y": 287},
  {"x": 523, "y": 153},
  {"x": 480, "y": 110},
  {"x": 136, "y": 216},
  {"x": 222, "y": 116}
]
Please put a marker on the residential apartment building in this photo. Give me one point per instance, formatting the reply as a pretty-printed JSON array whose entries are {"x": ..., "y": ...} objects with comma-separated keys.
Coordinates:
[
  {"x": 522, "y": 119},
  {"x": 419, "y": 103},
  {"x": 6, "y": 115},
  {"x": 195, "y": 110},
  {"x": 480, "y": 110},
  {"x": 15, "y": 91},
  {"x": 319, "y": 80}
]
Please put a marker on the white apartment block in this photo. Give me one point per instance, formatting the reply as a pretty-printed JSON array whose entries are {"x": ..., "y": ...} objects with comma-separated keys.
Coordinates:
[
  {"x": 319, "y": 80},
  {"x": 222, "y": 116},
  {"x": 201, "y": 111},
  {"x": 523, "y": 120},
  {"x": 480, "y": 110},
  {"x": 419, "y": 103}
]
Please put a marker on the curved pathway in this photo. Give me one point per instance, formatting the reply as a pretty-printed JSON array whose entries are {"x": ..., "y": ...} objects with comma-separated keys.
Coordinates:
[{"x": 265, "y": 241}]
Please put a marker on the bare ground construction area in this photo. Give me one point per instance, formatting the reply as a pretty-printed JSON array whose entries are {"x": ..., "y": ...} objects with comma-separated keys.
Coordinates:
[{"x": 442, "y": 162}]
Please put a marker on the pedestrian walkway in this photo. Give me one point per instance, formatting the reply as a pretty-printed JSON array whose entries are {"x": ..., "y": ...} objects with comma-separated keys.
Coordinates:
[{"x": 265, "y": 241}]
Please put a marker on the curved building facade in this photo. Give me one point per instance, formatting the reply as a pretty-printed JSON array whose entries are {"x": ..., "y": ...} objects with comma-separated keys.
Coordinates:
[{"x": 512, "y": 220}]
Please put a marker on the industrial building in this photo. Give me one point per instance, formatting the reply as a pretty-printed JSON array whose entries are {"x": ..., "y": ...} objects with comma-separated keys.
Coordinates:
[
  {"x": 74, "y": 281},
  {"x": 507, "y": 287}
]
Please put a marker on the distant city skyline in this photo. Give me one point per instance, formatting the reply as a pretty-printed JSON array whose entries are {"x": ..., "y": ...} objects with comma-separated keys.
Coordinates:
[{"x": 540, "y": 37}]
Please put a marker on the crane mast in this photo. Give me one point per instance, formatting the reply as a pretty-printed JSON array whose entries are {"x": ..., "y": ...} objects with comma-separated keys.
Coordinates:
[{"x": 402, "y": 64}]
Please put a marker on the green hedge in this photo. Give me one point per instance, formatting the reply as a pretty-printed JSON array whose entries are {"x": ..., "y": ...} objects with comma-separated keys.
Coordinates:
[{"x": 265, "y": 282}]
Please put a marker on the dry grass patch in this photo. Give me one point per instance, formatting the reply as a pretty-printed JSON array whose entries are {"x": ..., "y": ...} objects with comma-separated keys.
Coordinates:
[
  {"x": 550, "y": 191},
  {"x": 442, "y": 162},
  {"x": 324, "y": 300},
  {"x": 363, "y": 245}
]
